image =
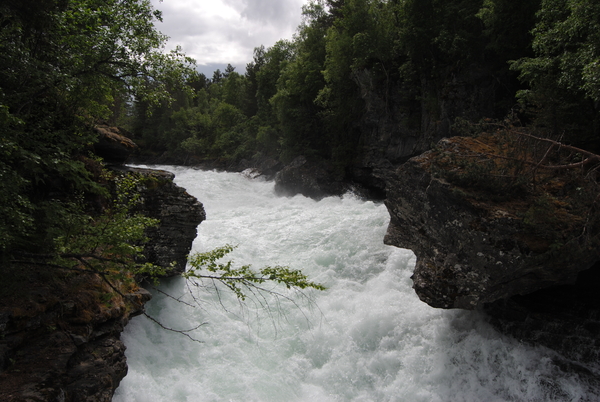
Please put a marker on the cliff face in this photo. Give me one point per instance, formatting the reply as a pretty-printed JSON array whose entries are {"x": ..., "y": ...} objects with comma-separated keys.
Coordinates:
[
  {"x": 60, "y": 331},
  {"x": 61, "y": 337},
  {"x": 179, "y": 214},
  {"x": 526, "y": 253},
  {"x": 474, "y": 247},
  {"x": 398, "y": 124}
]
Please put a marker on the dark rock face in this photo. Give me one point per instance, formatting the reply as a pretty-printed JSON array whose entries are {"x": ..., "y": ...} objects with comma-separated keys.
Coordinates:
[
  {"x": 396, "y": 127},
  {"x": 179, "y": 214},
  {"x": 259, "y": 166},
  {"x": 61, "y": 346},
  {"x": 309, "y": 179},
  {"x": 113, "y": 146},
  {"x": 468, "y": 252},
  {"x": 564, "y": 318}
]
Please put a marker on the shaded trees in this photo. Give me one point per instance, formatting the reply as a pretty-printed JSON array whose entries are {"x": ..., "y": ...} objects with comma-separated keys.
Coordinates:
[
  {"x": 61, "y": 65},
  {"x": 412, "y": 60},
  {"x": 564, "y": 75},
  {"x": 298, "y": 86}
]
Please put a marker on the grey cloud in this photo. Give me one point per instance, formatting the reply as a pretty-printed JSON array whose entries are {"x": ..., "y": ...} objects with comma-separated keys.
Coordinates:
[
  {"x": 229, "y": 37},
  {"x": 276, "y": 12}
]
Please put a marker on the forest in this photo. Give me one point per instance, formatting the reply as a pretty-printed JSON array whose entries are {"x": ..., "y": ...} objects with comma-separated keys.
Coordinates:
[
  {"x": 67, "y": 65},
  {"x": 309, "y": 96}
]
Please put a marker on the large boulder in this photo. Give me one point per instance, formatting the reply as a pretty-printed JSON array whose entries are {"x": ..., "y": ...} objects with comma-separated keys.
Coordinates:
[
  {"x": 311, "y": 179},
  {"x": 474, "y": 247}
]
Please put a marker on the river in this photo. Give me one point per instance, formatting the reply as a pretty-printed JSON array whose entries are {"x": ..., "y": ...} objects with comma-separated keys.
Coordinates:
[{"x": 366, "y": 338}]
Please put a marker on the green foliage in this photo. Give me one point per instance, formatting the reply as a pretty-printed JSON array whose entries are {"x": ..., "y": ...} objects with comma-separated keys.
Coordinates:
[
  {"x": 356, "y": 63},
  {"x": 302, "y": 129},
  {"x": 244, "y": 278},
  {"x": 109, "y": 242},
  {"x": 15, "y": 209},
  {"x": 62, "y": 66},
  {"x": 272, "y": 61},
  {"x": 564, "y": 75},
  {"x": 221, "y": 119},
  {"x": 437, "y": 33},
  {"x": 508, "y": 25},
  {"x": 192, "y": 125},
  {"x": 234, "y": 90}
]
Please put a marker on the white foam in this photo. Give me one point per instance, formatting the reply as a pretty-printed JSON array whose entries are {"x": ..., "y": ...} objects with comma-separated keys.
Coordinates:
[{"x": 367, "y": 337}]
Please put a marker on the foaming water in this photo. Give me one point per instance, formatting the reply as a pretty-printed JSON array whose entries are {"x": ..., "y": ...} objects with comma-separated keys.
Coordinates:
[{"x": 366, "y": 338}]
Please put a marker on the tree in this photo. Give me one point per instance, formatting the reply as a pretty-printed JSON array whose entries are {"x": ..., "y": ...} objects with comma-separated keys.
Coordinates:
[
  {"x": 61, "y": 64},
  {"x": 244, "y": 277},
  {"x": 206, "y": 272},
  {"x": 564, "y": 75},
  {"x": 234, "y": 90},
  {"x": 228, "y": 70},
  {"x": 359, "y": 41},
  {"x": 299, "y": 84},
  {"x": 217, "y": 76}
]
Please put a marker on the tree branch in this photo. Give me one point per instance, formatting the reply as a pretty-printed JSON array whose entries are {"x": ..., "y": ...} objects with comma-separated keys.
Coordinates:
[{"x": 179, "y": 331}]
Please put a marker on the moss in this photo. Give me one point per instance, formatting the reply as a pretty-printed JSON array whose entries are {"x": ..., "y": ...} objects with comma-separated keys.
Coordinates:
[{"x": 556, "y": 209}]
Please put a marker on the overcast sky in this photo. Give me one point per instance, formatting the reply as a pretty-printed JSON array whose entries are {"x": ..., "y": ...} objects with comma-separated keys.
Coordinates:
[{"x": 218, "y": 32}]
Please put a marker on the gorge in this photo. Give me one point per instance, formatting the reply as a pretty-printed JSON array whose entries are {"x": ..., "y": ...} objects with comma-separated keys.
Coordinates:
[
  {"x": 367, "y": 337},
  {"x": 465, "y": 131}
]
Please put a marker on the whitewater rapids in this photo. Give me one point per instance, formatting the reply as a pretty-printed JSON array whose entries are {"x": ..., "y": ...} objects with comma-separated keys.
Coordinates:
[{"x": 366, "y": 338}]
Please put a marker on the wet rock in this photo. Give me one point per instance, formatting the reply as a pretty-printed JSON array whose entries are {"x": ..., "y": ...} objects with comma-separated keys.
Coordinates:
[
  {"x": 179, "y": 214},
  {"x": 311, "y": 179}
]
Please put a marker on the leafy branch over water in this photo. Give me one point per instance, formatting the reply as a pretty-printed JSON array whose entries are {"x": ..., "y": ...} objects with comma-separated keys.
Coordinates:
[{"x": 244, "y": 277}]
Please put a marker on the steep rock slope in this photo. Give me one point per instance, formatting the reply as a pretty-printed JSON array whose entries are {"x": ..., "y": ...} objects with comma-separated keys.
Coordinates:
[
  {"x": 179, "y": 214},
  {"x": 494, "y": 230},
  {"x": 60, "y": 330}
]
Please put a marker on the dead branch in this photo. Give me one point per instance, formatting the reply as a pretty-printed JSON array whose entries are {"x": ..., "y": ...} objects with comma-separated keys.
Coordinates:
[{"x": 179, "y": 331}]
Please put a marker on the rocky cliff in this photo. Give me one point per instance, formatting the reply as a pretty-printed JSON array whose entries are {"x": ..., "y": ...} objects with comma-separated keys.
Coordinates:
[
  {"x": 498, "y": 227},
  {"x": 477, "y": 241},
  {"x": 60, "y": 330},
  {"x": 61, "y": 336},
  {"x": 399, "y": 123},
  {"x": 179, "y": 214},
  {"x": 396, "y": 124}
]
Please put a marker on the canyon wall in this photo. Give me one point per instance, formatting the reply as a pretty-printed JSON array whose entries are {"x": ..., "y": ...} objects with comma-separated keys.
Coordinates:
[{"x": 60, "y": 335}]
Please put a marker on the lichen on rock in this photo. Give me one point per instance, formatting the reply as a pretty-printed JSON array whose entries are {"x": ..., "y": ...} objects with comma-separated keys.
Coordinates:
[{"x": 486, "y": 223}]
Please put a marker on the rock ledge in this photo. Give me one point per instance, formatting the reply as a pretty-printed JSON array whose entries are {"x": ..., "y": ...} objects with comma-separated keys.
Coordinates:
[{"x": 473, "y": 248}]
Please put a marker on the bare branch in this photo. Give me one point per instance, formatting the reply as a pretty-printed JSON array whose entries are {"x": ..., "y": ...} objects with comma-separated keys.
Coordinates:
[{"x": 179, "y": 331}]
